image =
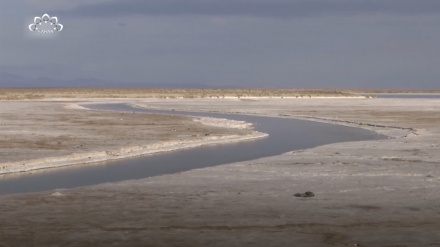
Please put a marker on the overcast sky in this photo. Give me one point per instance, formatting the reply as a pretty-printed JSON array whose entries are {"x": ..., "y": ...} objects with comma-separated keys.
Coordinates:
[{"x": 223, "y": 43}]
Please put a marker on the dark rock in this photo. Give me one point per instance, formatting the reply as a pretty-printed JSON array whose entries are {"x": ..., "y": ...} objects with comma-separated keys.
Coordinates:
[
  {"x": 306, "y": 194},
  {"x": 309, "y": 194}
]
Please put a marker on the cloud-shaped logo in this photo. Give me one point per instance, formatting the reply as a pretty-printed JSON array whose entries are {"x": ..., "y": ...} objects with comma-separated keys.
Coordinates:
[{"x": 45, "y": 24}]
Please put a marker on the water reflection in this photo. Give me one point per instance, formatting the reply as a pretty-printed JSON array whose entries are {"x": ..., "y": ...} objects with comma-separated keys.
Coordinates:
[{"x": 284, "y": 135}]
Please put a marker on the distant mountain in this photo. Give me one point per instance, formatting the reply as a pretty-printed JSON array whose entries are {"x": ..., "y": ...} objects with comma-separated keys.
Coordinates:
[{"x": 11, "y": 80}]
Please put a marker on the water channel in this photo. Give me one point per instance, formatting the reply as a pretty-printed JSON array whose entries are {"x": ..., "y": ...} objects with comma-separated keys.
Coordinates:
[{"x": 284, "y": 135}]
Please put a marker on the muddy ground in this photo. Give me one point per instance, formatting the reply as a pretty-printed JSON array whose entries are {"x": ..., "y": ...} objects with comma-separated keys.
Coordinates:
[{"x": 368, "y": 193}]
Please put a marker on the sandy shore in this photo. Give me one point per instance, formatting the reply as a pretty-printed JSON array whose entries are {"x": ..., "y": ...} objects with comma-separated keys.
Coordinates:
[{"x": 368, "y": 193}]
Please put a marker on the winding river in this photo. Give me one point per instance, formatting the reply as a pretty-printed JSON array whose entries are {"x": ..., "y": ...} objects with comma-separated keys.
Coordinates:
[{"x": 284, "y": 135}]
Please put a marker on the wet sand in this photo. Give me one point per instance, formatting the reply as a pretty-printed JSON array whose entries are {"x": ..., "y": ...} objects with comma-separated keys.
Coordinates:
[{"x": 368, "y": 193}]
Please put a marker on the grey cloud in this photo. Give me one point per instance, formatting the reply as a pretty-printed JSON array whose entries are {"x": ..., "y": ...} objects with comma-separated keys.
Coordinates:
[
  {"x": 253, "y": 8},
  {"x": 398, "y": 48}
]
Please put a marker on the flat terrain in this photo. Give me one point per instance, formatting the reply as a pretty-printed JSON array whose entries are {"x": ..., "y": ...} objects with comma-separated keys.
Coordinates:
[
  {"x": 38, "y": 134},
  {"x": 369, "y": 193},
  {"x": 51, "y": 93},
  {"x": 35, "y": 130}
]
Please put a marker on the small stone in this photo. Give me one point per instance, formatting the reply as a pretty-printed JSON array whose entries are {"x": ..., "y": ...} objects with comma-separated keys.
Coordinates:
[
  {"x": 309, "y": 194},
  {"x": 306, "y": 194}
]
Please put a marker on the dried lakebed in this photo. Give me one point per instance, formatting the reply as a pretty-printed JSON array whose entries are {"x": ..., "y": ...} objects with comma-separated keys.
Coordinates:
[
  {"x": 284, "y": 135},
  {"x": 367, "y": 193}
]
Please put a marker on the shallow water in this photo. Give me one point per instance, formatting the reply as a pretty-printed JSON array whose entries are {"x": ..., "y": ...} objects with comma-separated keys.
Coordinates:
[{"x": 284, "y": 135}]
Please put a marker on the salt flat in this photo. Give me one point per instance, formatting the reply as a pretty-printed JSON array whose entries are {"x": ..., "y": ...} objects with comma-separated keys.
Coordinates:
[
  {"x": 38, "y": 135},
  {"x": 368, "y": 193}
]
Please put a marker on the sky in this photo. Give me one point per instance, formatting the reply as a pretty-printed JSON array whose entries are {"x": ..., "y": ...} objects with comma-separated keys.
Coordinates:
[{"x": 335, "y": 44}]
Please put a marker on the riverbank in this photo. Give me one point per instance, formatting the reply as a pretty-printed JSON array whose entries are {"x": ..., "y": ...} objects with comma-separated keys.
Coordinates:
[
  {"x": 47, "y": 135},
  {"x": 367, "y": 193}
]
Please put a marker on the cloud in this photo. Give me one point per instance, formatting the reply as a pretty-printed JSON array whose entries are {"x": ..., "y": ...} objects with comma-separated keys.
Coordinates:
[
  {"x": 382, "y": 43},
  {"x": 253, "y": 8}
]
